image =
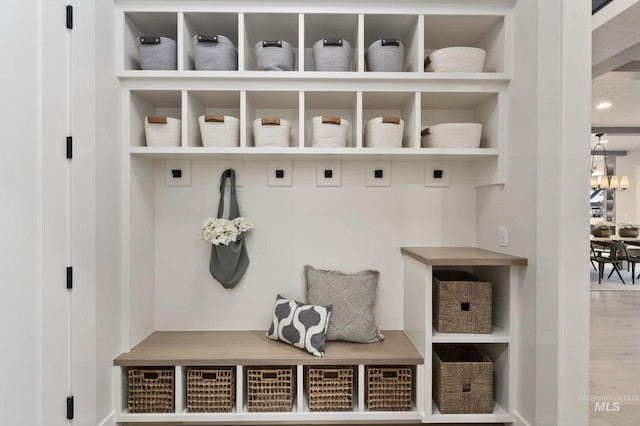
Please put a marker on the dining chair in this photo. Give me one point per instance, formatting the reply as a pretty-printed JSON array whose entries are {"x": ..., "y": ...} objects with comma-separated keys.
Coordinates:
[
  {"x": 617, "y": 253},
  {"x": 632, "y": 257}
]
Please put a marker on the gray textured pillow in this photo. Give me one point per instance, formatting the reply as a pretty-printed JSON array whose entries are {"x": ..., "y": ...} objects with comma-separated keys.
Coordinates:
[
  {"x": 353, "y": 297},
  {"x": 300, "y": 325}
]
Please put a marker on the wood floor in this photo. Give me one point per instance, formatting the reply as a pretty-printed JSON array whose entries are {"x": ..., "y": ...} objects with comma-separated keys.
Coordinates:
[{"x": 615, "y": 357}]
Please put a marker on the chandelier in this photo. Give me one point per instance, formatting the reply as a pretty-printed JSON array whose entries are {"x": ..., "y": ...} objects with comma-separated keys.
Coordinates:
[{"x": 606, "y": 181}]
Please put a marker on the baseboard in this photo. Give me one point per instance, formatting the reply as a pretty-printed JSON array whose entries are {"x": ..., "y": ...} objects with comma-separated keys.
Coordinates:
[
  {"x": 519, "y": 421},
  {"x": 110, "y": 420}
]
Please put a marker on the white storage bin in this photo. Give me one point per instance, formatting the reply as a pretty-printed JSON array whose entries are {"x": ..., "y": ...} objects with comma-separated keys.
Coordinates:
[
  {"x": 162, "y": 131},
  {"x": 332, "y": 54},
  {"x": 271, "y": 132},
  {"x": 455, "y": 59},
  {"x": 214, "y": 53},
  {"x": 157, "y": 53},
  {"x": 275, "y": 55},
  {"x": 384, "y": 132},
  {"x": 219, "y": 130},
  {"x": 452, "y": 135},
  {"x": 329, "y": 132},
  {"x": 385, "y": 55}
]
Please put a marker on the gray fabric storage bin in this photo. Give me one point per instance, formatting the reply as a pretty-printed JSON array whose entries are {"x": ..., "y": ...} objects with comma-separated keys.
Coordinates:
[
  {"x": 275, "y": 55},
  {"x": 332, "y": 54},
  {"x": 214, "y": 53},
  {"x": 157, "y": 53},
  {"x": 386, "y": 55}
]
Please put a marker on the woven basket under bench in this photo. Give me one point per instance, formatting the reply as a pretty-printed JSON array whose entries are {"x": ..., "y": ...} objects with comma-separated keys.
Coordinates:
[
  {"x": 388, "y": 388},
  {"x": 211, "y": 389},
  {"x": 151, "y": 390},
  {"x": 329, "y": 388},
  {"x": 271, "y": 389}
]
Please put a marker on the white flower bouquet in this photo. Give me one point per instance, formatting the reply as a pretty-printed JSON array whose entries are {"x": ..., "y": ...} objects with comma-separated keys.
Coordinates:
[{"x": 218, "y": 231}]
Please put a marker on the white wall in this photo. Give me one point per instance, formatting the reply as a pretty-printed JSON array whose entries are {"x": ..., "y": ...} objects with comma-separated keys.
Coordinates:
[
  {"x": 514, "y": 205},
  {"x": 20, "y": 214},
  {"x": 350, "y": 228},
  {"x": 544, "y": 208},
  {"x": 108, "y": 210}
]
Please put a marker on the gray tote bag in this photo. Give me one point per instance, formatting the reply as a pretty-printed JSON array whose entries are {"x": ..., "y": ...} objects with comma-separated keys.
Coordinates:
[{"x": 228, "y": 263}]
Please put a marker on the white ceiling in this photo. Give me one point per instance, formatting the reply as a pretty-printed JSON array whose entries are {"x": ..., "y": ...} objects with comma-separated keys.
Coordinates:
[{"x": 616, "y": 46}]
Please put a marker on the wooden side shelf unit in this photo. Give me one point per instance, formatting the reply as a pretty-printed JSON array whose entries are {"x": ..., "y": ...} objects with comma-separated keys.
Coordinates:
[
  {"x": 181, "y": 349},
  {"x": 502, "y": 270}
]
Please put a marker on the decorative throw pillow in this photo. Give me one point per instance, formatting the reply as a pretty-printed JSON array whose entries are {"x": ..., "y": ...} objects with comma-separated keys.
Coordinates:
[
  {"x": 353, "y": 297},
  {"x": 300, "y": 325}
]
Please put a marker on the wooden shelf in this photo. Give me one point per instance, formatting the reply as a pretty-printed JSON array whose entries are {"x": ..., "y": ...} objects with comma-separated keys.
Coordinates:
[
  {"x": 497, "y": 336},
  {"x": 461, "y": 256},
  {"x": 499, "y": 415},
  {"x": 315, "y": 153},
  {"x": 193, "y": 348}
]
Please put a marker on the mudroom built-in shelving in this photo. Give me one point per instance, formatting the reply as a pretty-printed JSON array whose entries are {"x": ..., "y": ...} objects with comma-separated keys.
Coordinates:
[{"x": 177, "y": 316}]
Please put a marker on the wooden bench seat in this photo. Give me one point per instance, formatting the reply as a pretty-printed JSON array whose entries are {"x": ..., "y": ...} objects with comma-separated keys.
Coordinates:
[{"x": 199, "y": 348}]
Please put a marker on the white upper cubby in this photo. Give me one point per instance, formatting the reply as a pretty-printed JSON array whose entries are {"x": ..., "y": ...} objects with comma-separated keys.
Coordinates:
[
  {"x": 343, "y": 105},
  {"x": 203, "y": 102},
  {"x": 464, "y": 107},
  {"x": 138, "y": 24},
  {"x": 321, "y": 26},
  {"x": 282, "y": 105},
  {"x": 405, "y": 28},
  {"x": 143, "y": 103},
  {"x": 483, "y": 31},
  {"x": 225, "y": 24},
  {"x": 395, "y": 104},
  {"x": 269, "y": 26}
]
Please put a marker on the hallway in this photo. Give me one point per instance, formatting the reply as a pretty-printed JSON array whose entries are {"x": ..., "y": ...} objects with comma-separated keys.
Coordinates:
[{"x": 615, "y": 358}]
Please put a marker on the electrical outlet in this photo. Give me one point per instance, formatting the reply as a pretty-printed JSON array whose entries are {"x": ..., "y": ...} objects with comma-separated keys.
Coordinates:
[
  {"x": 177, "y": 173},
  {"x": 502, "y": 237}
]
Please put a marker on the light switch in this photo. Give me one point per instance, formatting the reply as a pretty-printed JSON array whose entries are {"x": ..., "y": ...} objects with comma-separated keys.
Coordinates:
[
  {"x": 328, "y": 173},
  {"x": 279, "y": 173}
]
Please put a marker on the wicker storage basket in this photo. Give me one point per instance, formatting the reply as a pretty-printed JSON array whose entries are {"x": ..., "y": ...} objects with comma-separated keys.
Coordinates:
[
  {"x": 271, "y": 389},
  {"x": 462, "y": 380},
  {"x": 455, "y": 59},
  {"x": 461, "y": 303},
  {"x": 157, "y": 53},
  {"x": 211, "y": 389},
  {"x": 151, "y": 390},
  {"x": 452, "y": 135},
  {"x": 214, "y": 53},
  {"x": 162, "y": 131},
  {"x": 384, "y": 132},
  {"x": 329, "y": 388},
  {"x": 329, "y": 132},
  {"x": 275, "y": 55},
  {"x": 388, "y": 388},
  {"x": 332, "y": 54},
  {"x": 219, "y": 130},
  {"x": 386, "y": 55},
  {"x": 269, "y": 131}
]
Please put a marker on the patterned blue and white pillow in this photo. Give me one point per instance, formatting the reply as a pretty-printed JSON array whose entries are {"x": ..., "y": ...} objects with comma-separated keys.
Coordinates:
[{"x": 300, "y": 325}]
